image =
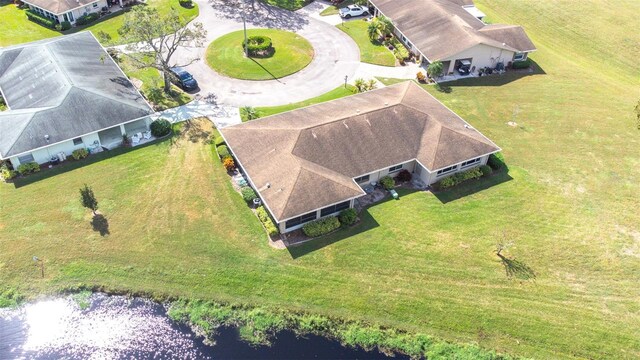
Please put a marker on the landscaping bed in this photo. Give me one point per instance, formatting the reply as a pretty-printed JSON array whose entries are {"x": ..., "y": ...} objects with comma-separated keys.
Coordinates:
[
  {"x": 287, "y": 54},
  {"x": 371, "y": 51}
]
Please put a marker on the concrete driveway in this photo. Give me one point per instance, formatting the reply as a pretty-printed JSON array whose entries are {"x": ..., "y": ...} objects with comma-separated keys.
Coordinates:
[{"x": 336, "y": 55}]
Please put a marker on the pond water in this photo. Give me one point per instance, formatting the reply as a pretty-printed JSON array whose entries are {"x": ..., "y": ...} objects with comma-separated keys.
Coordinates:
[{"x": 116, "y": 327}]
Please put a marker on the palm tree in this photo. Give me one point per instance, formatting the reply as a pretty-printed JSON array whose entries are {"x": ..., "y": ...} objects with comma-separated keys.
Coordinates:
[
  {"x": 434, "y": 69},
  {"x": 373, "y": 29}
]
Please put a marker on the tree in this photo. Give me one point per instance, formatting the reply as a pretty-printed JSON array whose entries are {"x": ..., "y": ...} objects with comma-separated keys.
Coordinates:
[
  {"x": 434, "y": 69},
  {"x": 372, "y": 29},
  {"x": 385, "y": 26},
  {"x": 88, "y": 199},
  {"x": 146, "y": 31}
]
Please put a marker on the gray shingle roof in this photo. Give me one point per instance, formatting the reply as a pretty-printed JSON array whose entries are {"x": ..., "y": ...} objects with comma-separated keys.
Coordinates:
[
  {"x": 310, "y": 156},
  {"x": 443, "y": 28},
  {"x": 64, "y": 87}
]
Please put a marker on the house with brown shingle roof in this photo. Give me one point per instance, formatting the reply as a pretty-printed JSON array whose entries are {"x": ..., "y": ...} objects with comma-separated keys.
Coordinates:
[
  {"x": 69, "y": 10},
  {"x": 314, "y": 162},
  {"x": 452, "y": 31}
]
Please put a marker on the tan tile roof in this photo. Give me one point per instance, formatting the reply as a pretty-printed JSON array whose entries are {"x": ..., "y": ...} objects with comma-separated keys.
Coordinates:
[
  {"x": 306, "y": 159},
  {"x": 59, "y": 7},
  {"x": 443, "y": 28}
]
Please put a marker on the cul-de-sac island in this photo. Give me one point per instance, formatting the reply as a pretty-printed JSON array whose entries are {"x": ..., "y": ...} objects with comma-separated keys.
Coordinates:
[{"x": 435, "y": 179}]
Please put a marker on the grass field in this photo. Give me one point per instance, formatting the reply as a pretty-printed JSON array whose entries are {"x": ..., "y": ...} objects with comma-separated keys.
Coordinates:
[
  {"x": 371, "y": 52},
  {"x": 292, "y": 53},
  {"x": 424, "y": 263},
  {"x": 292, "y": 5},
  {"x": 331, "y": 95},
  {"x": 16, "y": 29}
]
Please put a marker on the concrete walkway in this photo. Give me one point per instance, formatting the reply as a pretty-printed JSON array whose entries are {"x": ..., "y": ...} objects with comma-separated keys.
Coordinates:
[{"x": 221, "y": 116}]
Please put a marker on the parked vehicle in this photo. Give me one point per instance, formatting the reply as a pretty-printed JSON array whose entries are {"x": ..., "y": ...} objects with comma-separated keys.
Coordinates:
[
  {"x": 185, "y": 79},
  {"x": 464, "y": 67},
  {"x": 353, "y": 10}
]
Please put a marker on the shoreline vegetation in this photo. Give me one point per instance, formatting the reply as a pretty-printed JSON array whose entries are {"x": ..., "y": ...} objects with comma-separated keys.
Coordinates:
[{"x": 258, "y": 325}]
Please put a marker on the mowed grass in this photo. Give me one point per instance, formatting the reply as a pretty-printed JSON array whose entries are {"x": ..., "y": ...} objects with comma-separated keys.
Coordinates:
[
  {"x": 371, "y": 51},
  {"x": 292, "y": 5},
  {"x": 17, "y": 29},
  {"x": 331, "y": 95},
  {"x": 292, "y": 54},
  {"x": 424, "y": 263}
]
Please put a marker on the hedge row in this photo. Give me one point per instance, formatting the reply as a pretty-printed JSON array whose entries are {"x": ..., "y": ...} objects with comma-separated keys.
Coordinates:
[
  {"x": 321, "y": 227},
  {"x": 28, "y": 168},
  {"x": 496, "y": 161},
  {"x": 37, "y": 18},
  {"x": 223, "y": 151},
  {"x": 521, "y": 64},
  {"x": 348, "y": 216},
  {"x": 258, "y": 45},
  {"x": 265, "y": 219},
  {"x": 457, "y": 178}
]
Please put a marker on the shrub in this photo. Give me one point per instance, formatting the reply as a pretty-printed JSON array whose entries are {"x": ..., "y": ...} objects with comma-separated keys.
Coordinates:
[
  {"x": 87, "y": 19},
  {"x": 28, "y": 168},
  {"x": 404, "y": 176},
  {"x": 218, "y": 139},
  {"x": 80, "y": 153},
  {"x": 321, "y": 227},
  {"x": 160, "y": 127},
  {"x": 496, "y": 161},
  {"x": 387, "y": 182},
  {"x": 7, "y": 174},
  {"x": 228, "y": 163},
  {"x": 258, "y": 45},
  {"x": 223, "y": 152},
  {"x": 65, "y": 25},
  {"x": 248, "y": 194},
  {"x": 348, "y": 216},
  {"x": 521, "y": 64},
  {"x": 460, "y": 177},
  {"x": 447, "y": 182},
  {"x": 265, "y": 219},
  {"x": 37, "y": 18},
  {"x": 421, "y": 77},
  {"x": 486, "y": 170}
]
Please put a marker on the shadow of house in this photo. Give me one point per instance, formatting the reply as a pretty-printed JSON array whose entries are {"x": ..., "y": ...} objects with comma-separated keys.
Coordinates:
[
  {"x": 100, "y": 224},
  {"x": 259, "y": 14},
  {"x": 71, "y": 165},
  {"x": 366, "y": 223},
  {"x": 472, "y": 186}
]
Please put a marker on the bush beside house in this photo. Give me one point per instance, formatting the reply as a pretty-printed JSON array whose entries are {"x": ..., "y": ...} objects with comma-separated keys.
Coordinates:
[
  {"x": 28, "y": 168},
  {"x": 321, "y": 227},
  {"x": 348, "y": 216},
  {"x": 248, "y": 194},
  {"x": 7, "y": 174},
  {"x": 265, "y": 219},
  {"x": 37, "y": 18},
  {"x": 496, "y": 161},
  {"x": 460, "y": 177},
  {"x": 160, "y": 127},
  {"x": 387, "y": 182},
  {"x": 79, "y": 154},
  {"x": 223, "y": 152}
]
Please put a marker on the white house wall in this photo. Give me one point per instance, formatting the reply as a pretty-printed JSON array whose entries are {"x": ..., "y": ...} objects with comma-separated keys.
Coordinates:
[{"x": 481, "y": 56}]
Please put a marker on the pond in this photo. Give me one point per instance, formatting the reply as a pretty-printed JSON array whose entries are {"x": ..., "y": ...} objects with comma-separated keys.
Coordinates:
[{"x": 116, "y": 327}]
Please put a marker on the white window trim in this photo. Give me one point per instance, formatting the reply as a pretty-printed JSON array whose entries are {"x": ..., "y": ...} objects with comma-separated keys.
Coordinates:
[
  {"x": 470, "y": 163},
  {"x": 445, "y": 171},
  {"x": 395, "y": 168}
]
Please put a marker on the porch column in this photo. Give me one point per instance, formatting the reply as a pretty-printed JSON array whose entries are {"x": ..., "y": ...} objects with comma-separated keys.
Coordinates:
[
  {"x": 122, "y": 130},
  {"x": 120, "y": 1}
]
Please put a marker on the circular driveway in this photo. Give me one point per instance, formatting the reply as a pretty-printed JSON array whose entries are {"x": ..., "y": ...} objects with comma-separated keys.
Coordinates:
[{"x": 336, "y": 55}]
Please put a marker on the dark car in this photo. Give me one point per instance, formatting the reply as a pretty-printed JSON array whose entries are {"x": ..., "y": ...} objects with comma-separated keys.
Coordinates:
[
  {"x": 464, "y": 67},
  {"x": 185, "y": 79}
]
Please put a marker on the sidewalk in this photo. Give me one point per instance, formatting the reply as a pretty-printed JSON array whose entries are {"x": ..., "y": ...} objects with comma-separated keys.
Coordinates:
[{"x": 220, "y": 115}]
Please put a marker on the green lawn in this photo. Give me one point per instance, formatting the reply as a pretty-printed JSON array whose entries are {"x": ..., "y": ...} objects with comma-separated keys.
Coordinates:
[
  {"x": 16, "y": 29},
  {"x": 331, "y": 95},
  {"x": 333, "y": 10},
  {"x": 423, "y": 263},
  {"x": 292, "y": 53},
  {"x": 152, "y": 84},
  {"x": 371, "y": 51},
  {"x": 292, "y": 5}
]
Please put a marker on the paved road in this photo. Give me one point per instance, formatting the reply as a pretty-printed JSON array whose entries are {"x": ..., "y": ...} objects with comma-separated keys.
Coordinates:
[{"x": 336, "y": 55}]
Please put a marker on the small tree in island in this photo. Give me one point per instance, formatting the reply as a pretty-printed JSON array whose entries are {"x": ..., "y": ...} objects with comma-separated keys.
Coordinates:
[
  {"x": 153, "y": 39},
  {"x": 88, "y": 199}
]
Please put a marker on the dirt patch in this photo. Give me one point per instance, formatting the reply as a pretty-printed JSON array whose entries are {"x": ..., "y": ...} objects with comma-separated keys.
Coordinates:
[{"x": 632, "y": 249}]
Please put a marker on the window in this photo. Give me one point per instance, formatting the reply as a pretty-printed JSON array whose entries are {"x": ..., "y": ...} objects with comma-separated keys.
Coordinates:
[
  {"x": 26, "y": 159},
  {"x": 469, "y": 162},
  {"x": 77, "y": 141},
  {"x": 362, "y": 179},
  {"x": 300, "y": 220},
  {"x": 335, "y": 208},
  {"x": 395, "y": 169},
  {"x": 519, "y": 56},
  {"x": 446, "y": 170}
]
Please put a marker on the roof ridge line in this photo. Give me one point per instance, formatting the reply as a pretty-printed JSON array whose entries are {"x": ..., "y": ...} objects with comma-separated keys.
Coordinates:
[
  {"x": 56, "y": 64},
  {"x": 107, "y": 97},
  {"x": 349, "y": 117},
  {"x": 26, "y": 124}
]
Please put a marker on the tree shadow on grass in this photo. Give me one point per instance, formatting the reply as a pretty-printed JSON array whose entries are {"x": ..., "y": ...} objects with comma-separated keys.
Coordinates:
[
  {"x": 366, "y": 223},
  {"x": 472, "y": 186},
  {"x": 265, "y": 69},
  {"x": 100, "y": 224},
  {"x": 516, "y": 269}
]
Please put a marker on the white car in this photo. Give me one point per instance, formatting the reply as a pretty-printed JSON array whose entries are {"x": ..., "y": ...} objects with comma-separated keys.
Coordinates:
[{"x": 353, "y": 10}]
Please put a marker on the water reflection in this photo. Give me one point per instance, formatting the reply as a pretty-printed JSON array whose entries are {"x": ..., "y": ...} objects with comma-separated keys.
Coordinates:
[{"x": 116, "y": 327}]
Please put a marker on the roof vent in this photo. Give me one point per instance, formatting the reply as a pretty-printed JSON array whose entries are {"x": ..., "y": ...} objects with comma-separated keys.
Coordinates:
[
  {"x": 345, "y": 124},
  {"x": 357, "y": 111},
  {"x": 46, "y": 137},
  {"x": 386, "y": 103},
  {"x": 314, "y": 134},
  {"x": 467, "y": 126}
]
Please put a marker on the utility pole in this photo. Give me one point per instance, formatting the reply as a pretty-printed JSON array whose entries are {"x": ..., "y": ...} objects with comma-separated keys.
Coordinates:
[{"x": 245, "y": 45}]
